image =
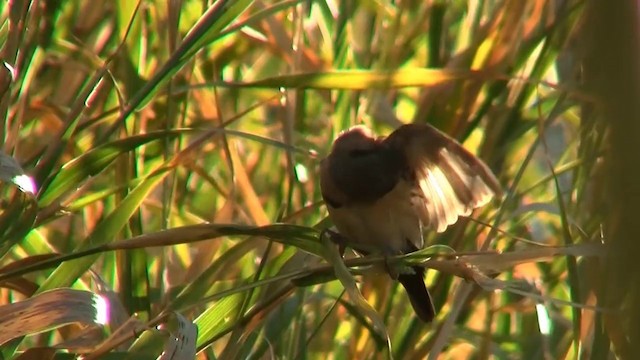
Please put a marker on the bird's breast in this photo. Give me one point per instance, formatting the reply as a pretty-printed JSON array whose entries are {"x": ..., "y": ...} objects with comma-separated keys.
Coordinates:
[{"x": 385, "y": 225}]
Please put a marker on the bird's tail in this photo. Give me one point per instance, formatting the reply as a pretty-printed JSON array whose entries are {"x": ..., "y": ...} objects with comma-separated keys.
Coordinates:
[{"x": 418, "y": 294}]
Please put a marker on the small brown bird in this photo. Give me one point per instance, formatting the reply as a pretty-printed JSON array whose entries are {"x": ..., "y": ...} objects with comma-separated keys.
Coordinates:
[{"x": 381, "y": 193}]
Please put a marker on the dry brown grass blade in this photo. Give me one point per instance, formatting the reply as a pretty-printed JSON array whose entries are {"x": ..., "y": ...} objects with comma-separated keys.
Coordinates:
[
  {"x": 120, "y": 338},
  {"x": 498, "y": 262},
  {"x": 250, "y": 197},
  {"x": 51, "y": 310}
]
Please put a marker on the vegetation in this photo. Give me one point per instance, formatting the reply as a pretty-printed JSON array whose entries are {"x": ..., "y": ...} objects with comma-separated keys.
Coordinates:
[{"x": 160, "y": 160}]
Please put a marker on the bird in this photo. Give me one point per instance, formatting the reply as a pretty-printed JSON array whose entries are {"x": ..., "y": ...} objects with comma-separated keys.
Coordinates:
[{"x": 381, "y": 193}]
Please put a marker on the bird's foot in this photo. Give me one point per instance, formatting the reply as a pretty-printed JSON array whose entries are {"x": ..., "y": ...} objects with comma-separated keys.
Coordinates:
[
  {"x": 395, "y": 270},
  {"x": 337, "y": 239}
]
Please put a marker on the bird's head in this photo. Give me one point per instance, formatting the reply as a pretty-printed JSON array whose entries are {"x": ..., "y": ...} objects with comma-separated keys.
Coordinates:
[{"x": 354, "y": 142}]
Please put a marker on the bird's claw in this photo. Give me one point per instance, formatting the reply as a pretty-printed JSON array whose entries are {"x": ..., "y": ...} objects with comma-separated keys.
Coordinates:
[
  {"x": 336, "y": 238},
  {"x": 395, "y": 270}
]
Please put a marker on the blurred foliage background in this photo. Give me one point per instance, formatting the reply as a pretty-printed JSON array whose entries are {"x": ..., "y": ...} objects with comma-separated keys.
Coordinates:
[{"x": 160, "y": 160}]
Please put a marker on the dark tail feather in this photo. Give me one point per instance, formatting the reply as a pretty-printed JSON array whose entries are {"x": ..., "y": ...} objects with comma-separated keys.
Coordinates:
[{"x": 418, "y": 294}]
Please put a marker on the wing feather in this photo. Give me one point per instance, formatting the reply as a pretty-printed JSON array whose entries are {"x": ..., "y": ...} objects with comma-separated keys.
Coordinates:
[{"x": 449, "y": 181}]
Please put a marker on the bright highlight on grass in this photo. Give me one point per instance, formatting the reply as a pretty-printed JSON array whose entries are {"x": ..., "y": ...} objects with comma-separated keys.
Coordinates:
[
  {"x": 301, "y": 173},
  {"x": 544, "y": 322},
  {"x": 25, "y": 183},
  {"x": 101, "y": 305}
]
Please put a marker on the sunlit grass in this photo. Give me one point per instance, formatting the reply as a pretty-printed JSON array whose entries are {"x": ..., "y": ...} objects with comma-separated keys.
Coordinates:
[{"x": 142, "y": 122}]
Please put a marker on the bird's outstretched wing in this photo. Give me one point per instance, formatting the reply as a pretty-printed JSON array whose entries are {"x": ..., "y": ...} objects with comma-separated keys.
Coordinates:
[{"x": 448, "y": 180}]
